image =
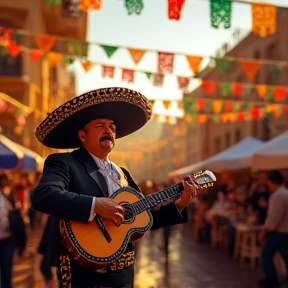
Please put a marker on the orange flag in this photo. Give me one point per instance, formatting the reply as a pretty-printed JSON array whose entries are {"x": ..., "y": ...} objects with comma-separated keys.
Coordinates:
[
  {"x": 44, "y": 42},
  {"x": 188, "y": 118},
  {"x": 180, "y": 105},
  {"x": 201, "y": 118},
  {"x": 263, "y": 19},
  {"x": 194, "y": 62},
  {"x": 54, "y": 58},
  {"x": 261, "y": 89},
  {"x": 217, "y": 106},
  {"x": 85, "y": 5},
  {"x": 250, "y": 68},
  {"x": 136, "y": 55},
  {"x": 167, "y": 118},
  {"x": 87, "y": 66},
  {"x": 166, "y": 104}
]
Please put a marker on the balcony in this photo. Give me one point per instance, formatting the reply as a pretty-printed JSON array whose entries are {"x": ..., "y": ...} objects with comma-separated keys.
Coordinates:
[{"x": 57, "y": 24}]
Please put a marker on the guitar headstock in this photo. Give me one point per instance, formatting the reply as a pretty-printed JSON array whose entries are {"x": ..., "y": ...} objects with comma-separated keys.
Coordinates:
[{"x": 204, "y": 179}]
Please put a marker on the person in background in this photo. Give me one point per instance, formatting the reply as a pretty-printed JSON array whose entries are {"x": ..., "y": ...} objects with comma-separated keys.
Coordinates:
[
  {"x": 259, "y": 200},
  {"x": 274, "y": 236},
  {"x": 7, "y": 243},
  {"x": 217, "y": 212}
]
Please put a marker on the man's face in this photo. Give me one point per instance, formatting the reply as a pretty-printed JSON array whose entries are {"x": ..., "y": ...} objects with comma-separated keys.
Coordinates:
[{"x": 98, "y": 135}]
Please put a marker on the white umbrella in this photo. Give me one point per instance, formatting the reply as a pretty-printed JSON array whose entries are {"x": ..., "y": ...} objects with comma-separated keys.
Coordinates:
[
  {"x": 273, "y": 154},
  {"x": 234, "y": 158}
]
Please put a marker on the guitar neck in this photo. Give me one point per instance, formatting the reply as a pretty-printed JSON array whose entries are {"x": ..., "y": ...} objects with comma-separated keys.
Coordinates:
[{"x": 154, "y": 199}]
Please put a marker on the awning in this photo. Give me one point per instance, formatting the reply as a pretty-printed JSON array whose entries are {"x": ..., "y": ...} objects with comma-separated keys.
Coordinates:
[
  {"x": 16, "y": 156},
  {"x": 10, "y": 155},
  {"x": 234, "y": 158},
  {"x": 272, "y": 155}
]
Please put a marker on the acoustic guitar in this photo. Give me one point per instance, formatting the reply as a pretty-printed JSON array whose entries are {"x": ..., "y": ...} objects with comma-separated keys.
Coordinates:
[{"x": 98, "y": 244}]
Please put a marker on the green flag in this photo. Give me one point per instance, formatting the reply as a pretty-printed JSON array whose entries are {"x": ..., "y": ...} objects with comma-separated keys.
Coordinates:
[
  {"x": 269, "y": 93},
  {"x": 17, "y": 38},
  {"x": 215, "y": 118},
  {"x": 220, "y": 12},
  {"x": 222, "y": 65},
  {"x": 226, "y": 89},
  {"x": 134, "y": 6},
  {"x": 109, "y": 49},
  {"x": 148, "y": 75}
]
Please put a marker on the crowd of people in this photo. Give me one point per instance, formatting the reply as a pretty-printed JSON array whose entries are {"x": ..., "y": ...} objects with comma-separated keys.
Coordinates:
[{"x": 262, "y": 203}]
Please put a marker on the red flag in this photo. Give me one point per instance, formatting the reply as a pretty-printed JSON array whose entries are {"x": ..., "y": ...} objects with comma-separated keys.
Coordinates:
[
  {"x": 209, "y": 87},
  {"x": 174, "y": 9},
  {"x": 240, "y": 117},
  {"x": 128, "y": 75},
  {"x": 183, "y": 82},
  {"x": 237, "y": 89},
  {"x": 280, "y": 93},
  {"x": 165, "y": 62},
  {"x": 108, "y": 71}
]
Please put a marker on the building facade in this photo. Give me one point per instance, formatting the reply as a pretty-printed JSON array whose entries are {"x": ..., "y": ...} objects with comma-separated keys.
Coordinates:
[
  {"x": 216, "y": 137},
  {"x": 37, "y": 85}
]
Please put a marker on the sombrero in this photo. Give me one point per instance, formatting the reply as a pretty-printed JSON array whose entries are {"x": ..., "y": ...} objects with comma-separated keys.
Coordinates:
[{"x": 129, "y": 109}]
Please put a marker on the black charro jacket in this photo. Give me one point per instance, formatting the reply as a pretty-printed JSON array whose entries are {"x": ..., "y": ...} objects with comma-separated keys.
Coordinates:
[{"x": 66, "y": 189}]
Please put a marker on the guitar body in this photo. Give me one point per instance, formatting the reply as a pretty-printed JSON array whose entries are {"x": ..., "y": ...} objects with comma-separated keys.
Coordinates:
[
  {"x": 96, "y": 245},
  {"x": 86, "y": 242}
]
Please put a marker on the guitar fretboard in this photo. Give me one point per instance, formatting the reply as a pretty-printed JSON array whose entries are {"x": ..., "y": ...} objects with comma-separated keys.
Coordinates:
[{"x": 154, "y": 199}]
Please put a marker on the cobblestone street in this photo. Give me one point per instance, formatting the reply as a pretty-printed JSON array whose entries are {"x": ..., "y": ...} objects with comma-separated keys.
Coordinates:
[{"x": 191, "y": 264}]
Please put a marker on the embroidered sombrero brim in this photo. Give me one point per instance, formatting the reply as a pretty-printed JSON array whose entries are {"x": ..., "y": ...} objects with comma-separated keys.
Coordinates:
[{"x": 130, "y": 110}]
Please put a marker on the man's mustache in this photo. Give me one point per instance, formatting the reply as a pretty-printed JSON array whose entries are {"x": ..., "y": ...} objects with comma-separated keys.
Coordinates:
[{"x": 107, "y": 137}]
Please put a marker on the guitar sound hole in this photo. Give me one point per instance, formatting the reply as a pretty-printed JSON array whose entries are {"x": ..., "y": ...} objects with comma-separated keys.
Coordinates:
[{"x": 128, "y": 213}]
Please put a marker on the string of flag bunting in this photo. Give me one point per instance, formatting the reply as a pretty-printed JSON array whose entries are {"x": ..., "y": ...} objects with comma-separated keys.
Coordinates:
[
  {"x": 263, "y": 15},
  {"x": 47, "y": 46}
]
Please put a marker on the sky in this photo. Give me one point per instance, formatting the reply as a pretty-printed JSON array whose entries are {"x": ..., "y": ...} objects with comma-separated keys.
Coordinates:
[{"x": 153, "y": 31}]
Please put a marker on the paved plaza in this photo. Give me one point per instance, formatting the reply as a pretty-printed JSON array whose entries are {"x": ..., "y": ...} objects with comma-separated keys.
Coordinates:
[{"x": 190, "y": 264}]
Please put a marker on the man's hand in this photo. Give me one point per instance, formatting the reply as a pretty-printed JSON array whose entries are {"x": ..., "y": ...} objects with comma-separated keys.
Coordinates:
[
  {"x": 108, "y": 209},
  {"x": 188, "y": 194}
]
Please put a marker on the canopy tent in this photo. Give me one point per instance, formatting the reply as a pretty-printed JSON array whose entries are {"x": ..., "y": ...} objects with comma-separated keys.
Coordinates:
[
  {"x": 16, "y": 156},
  {"x": 272, "y": 155},
  {"x": 234, "y": 158}
]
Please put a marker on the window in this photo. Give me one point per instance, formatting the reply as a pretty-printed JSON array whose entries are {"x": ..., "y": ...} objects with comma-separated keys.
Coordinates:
[
  {"x": 227, "y": 140},
  {"x": 270, "y": 55},
  {"x": 10, "y": 66},
  {"x": 217, "y": 145},
  {"x": 257, "y": 56},
  {"x": 237, "y": 135}
]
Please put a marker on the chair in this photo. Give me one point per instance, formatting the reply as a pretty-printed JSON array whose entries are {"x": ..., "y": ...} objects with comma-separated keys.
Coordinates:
[{"x": 247, "y": 244}]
